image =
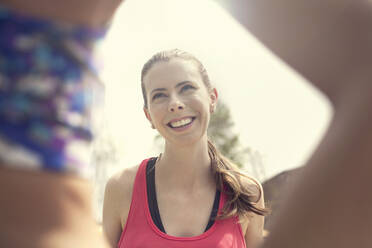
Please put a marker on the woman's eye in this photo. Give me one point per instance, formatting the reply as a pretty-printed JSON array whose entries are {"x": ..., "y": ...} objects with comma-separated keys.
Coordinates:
[
  {"x": 158, "y": 95},
  {"x": 187, "y": 87}
]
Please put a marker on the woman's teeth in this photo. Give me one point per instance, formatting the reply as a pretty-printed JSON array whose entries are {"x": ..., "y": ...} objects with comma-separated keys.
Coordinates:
[{"x": 181, "y": 123}]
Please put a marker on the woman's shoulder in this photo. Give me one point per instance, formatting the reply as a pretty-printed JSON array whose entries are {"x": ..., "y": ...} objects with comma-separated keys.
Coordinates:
[
  {"x": 118, "y": 193},
  {"x": 254, "y": 188},
  {"x": 123, "y": 181}
]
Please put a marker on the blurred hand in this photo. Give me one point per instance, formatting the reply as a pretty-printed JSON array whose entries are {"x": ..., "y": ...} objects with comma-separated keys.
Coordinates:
[{"x": 91, "y": 13}]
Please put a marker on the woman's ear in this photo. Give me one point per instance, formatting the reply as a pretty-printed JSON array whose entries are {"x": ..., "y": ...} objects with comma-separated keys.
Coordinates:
[
  {"x": 214, "y": 96},
  {"x": 148, "y": 116}
]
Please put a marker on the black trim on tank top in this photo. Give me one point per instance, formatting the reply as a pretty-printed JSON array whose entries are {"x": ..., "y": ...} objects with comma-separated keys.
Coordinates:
[{"x": 153, "y": 203}]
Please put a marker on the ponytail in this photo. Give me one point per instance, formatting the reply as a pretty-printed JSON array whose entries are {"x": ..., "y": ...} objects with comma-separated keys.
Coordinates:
[{"x": 240, "y": 200}]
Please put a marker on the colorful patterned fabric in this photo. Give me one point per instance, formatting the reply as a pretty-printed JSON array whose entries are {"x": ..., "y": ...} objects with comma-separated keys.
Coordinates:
[{"x": 47, "y": 81}]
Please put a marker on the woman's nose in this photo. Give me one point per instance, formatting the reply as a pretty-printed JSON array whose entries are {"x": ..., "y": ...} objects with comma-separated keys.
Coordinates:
[{"x": 176, "y": 105}]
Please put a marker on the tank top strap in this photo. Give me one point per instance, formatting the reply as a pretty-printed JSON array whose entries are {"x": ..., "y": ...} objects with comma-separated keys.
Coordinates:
[
  {"x": 140, "y": 181},
  {"x": 138, "y": 194}
]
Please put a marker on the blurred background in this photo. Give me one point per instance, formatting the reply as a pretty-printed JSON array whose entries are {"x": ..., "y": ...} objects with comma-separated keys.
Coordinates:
[{"x": 268, "y": 120}]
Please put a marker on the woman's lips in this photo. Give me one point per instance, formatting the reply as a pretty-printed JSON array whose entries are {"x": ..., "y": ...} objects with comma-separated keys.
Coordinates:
[{"x": 181, "y": 123}]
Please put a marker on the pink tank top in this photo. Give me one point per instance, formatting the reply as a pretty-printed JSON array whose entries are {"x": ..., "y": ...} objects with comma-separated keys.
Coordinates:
[{"x": 140, "y": 230}]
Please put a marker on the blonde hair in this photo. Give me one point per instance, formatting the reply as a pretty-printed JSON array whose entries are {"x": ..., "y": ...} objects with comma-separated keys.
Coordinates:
[{"x": 229, "y": 179}]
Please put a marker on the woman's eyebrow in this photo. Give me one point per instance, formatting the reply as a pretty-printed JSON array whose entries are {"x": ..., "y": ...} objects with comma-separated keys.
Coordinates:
[
  {"x": 177, "y": 86},
  {"x": 158, "y": 89},
  {"x": 182, "y": 83}
]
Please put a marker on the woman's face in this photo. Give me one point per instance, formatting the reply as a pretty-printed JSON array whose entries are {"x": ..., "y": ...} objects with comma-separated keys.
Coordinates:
[{"x": 179, "y": 104}]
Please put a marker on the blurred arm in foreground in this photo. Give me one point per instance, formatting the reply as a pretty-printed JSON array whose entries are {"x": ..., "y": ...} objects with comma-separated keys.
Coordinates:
[
  {"x": 329, "y": 42},
  {"x": 45, "y": 202}
]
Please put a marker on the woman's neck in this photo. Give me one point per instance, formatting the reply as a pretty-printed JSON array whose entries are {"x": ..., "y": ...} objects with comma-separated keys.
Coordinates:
[{"x": 185, "y": 167}]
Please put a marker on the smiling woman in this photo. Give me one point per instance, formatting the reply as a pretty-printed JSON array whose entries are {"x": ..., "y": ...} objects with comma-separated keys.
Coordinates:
[{"x": 190, "y": 195}]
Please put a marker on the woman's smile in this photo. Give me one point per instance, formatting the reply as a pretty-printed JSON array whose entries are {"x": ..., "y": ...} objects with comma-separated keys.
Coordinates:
[{"x": 181, "y": 124}]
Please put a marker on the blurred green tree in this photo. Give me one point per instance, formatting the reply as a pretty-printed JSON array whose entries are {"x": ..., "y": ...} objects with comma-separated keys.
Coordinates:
[{"x": 221, "y": 134}]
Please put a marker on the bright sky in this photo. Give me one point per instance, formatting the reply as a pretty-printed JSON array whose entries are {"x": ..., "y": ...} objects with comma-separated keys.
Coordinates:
[{"x": 275, "y": 111}]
